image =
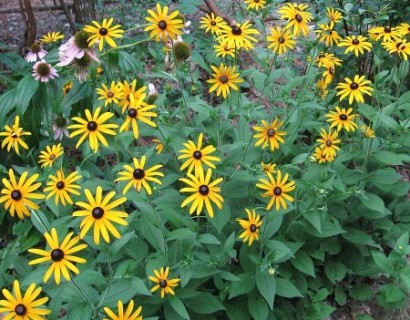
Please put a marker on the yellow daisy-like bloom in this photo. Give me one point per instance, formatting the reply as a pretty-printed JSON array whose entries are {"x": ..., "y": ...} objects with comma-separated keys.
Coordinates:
[
  {"x": 255, "y": 4},
  {"x": 321, "y": 155},
  {"x": 48, "y": 157},
  {"x": 324, "y": 59},
  {"x": 354, "y": 89},
  {"x": 356, "y": 44},
  {"x": 67, "y": 87},
  {"x": 334, "y": 16},
  {"x": 129, "y": 313},
  {"x": 329, "y": 73},
  {"x": 277, "y": 189},
  {"x": 14, "y": 136},
  {"x": 204, "y": 192},
  {"x": 387, "y": 33},
  {"x": 161, "y": 25},
  {"x": 269, "y": 134},
  {"x": 224, "y": 79},
  {"x": 139, "y": 177},
  {"x": 321, "y": 85},
  {"x": 17, "y": 194},
  {"x": 212, "y": 23},
  {"x": 196, "y": 156},
  {"x": 297, "y": 18},
  {"x": 131, "y": 95},
  {"x": 163, "y": 283},
  {"x": 112, "y": 94},
  {"x": 342, "y": 118},
  {"x": 93, "y": 128},
  {"x": 404, "y": 29},
  {"x": 367, "y": 131},
  {"x": 103, "y": 32},
  {"x": 100, "y": 214},
  {"x": 61, "y": 187},
  {"x": 25, "y": 307},
  {"x": 251, "y": 227},
  {"x": 238, "y": 36},
  {"x": 280, "y": 40},
  {"x": 142, "y": 112},
  {"x": 222, "y": 50},
  {"x": 51, "y": 37},
  {"x": 159, "y": 146},
  {"x": 268, "y": 167},
  {"x": 60, "y": 256},
  {"x": 399, "y": 46},
  {"x": 328, "y": 142},
  {"x": 327, "y": 35}
]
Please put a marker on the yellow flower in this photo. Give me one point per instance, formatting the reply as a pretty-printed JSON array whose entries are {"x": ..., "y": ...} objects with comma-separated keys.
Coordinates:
[
  {"x": 268, "y": 167},
  {"x": 277, "y": 189},
  {"x": 327, "y": 35},
  {"x": 112, "y": 94},
  {"x": 204, "y": 192},
  {"x": 356, "y": 44},
  {"x": 212, "y": 23},
  {"x": 324, "y": 59},
  {"x": 404, "y": 29},
  {"x": 161, "y": 25},
  {"x": 17, "y": 194},
  {"x": 328, "y": 142},
  {"x": 334, "y": 16},
  {"x": 255, "y": 4},
  {"x": 48, "y": 157},
  {"x": 23, "y": 307},
  {"x": 139, "y": 177},
  {"x": 329, "y": 73},
  {"x": 51, "y": 37},
  {"x": 159, "y": 147},
  {"x": 322, "y": 156},
  {"x": 60, "y": 255},
  {"x": 342, "y": 119},
  {"x": 399, "y": 46},
  {"x": 14, "y": 136},
  {"x": 321, "y": 85},
  {"x": 131, "y": 94},
  {"x": 103, "y": 32},
  {"x": 251, "y": 227},
  {"x": 100, "y": 214},
  {"x": 367, "y": 131},
  {"x": 60, "y": 187},
  {"x": 297, "y": 18},
  {"x": 142, "y": 112},
  {"x": 163, "y": 283},
  {"x": 387, "y": 33},
  {"x": 354, "y": 89},
  {"x": 129, "y": 314},
  {"x": 93, "y": 128},
  {"x": 238, "y": 36},
  {"x": 223, "y": 50},
  {"x": 67, "y": 87},
  {"x": 224, "y": 79},
  {"x": 269, "y": 134},
  {"x": 280, "y": 40},
  {"x": 196, "y": 156}
]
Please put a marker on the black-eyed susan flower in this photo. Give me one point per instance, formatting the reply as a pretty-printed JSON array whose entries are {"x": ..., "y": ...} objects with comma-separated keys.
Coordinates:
[
  {"x": 14, "y": 136},
  {"x": 44, "y": 72},
  {"x": 60, "y": 255},
  {"x": 251, "y": 227},
  {"x": 342, "y": 119},
  {"x": 36, "y": 53},
  {"x": 223, "y": 50},
  {"x": 67, "y": 87},
  {"x": 93, "y": 128},
  {"x": 322, "y": 156},
  {"x": 398, "y": 46},
  {"x": 138, "y": 112},
  {"x": 386, "y": 33},
  {"x": 356, "y": 44},
  {"x": 131, "y": 94},
  {"x": 354, "y": 89},
  {"x": 297, "y": 18},
  {"x": 280, "y": 41},
  {"x": 278, "y": 189},
  {"x": 255, "y": 4},
  {"x": 269, "y": 134},
  {"x": 327, "y": 35},
  {"x": 50, "y": 155},
  {"x": 329, "y": 73},
  {"x": 324, "y": 59},
  {"x": 268, "y": 167},
  {"x": 23, "y": 307},
  {"x": 138, "y": 177},
  {"x": 103, "y": 32},
  {"x": 404, "y": 29},
  {"x": 99, "y": 213},
  {"x": 329, "y": 142},
  {"x": 129, "y": 313},
  {"x": 239, "y": 36},
  {"x": 18, "y": 194},
  {"x": 51, "y": 37},
  {"x": 321, "y": 86},
  {"x": 204, "y": 191},
  {"x": 367, "y": 131},
  {"x": 162, "y": 282},
  {"x": 224, "y": 79},
  {"x": 334, "y": 16},
  {"x": 112, "y": 94},
  {"x": 159, "y": 147},
  {"x": 61, "y": 187},
  {"x": 161, "y": 25},
  {"x": 196, "y": 156},
  {"x": 212, "y": 23}
]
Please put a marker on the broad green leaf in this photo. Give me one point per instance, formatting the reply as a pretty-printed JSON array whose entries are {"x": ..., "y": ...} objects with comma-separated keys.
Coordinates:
[
  {"x": 405, "y": 276},
  {"x": 7, "y": 103},
  {"x": 76, "y": 94},
  {"x": 361, "y": 292},
  {"x": 79, "y": 310},
  {"x": 118, "y": 244},
  {"x": 26, "y": 89},
  {"x": 258, "y": 307},
  {"x": 266, "y": 285},
  {"x": 207, "y": 238},
  {"x": 55, "y": 303},
  {"x": 244, "y": 286},
  {"x": 372, "y": 202},
  {"x": 383, "y": 262},
  {"x": 304, "y": 263},
  {"x": 181, "y": 234},
  {"x": 204, "y": 303},
  {"x": 127, "y": 62},
  {"x": 179, "y": 307},
  {"x": 286, "y": 289},
  {"x": 335, "y": 271},
  {"x": 388, "y": 157}
]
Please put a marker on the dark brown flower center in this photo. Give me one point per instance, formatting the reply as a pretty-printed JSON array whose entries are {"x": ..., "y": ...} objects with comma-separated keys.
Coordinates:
[
  {"x": 81, "y": 39},
  {"x": 35, "y": 48},
  {"x": 60, "y": 185},
  {"x": 197, "y": 154},
  {"x": 110, "y": 94},
  {"x": 83, "y": 62},
  {"x": 97, "y": 212},
  {"x": 398, "y": 45},
  {"x": 103, "y": 31},
  {"x": 213, "y": 23},
  {"x": 138, "y": 174},
  {"x": 92, "y": 126},
  {"x": 61, "y": 121},
  {"x": 20, "y": 309},
  {"x": 331, "y": 70},
  {"x": 343, "y": 117},
  {"x": 253, "y": 227},
  {"x": 236, "y": 31},
  {"x": 52, "y": 157},
  {"x": 163, "y": 283},
  {"x": 387, "y": 29},
  {"x": 271, "y": 132},
  {"x": 281, "y": 39},
  {"x": 277, "y": 191},
  {"x": 132, "y": 113},
  {"x": 329, "y": 143},
  {"x": 354, "y": 86},
  {"x": 57, "y": 255},
  {"x": 43, "y": 69},
  {"x": 355, "y": 42},
  {"x": 298, "y": 18},
  {"x": 16, "y": 195},
  {"x": 14, "y": 135},
  {"x": 162, "y": 25},
  {"x": 223, "y": 79},
  {"x": 204, "y": 190}
]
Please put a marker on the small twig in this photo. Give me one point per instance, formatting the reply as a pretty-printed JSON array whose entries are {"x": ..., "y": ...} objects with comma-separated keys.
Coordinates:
[{"x": 213, "y": 8}]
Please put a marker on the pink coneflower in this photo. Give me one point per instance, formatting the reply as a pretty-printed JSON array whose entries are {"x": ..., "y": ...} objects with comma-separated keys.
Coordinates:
[
  {"x": 75, "y": 48},
  {"x": 43, "y": 71},
  {"x": 81, "y": 67},
  {"x": 60, "y": 127},
  {"x": 36, "y": 53}
]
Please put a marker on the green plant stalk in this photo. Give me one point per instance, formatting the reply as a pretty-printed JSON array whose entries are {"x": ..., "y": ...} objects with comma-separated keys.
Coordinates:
[
  {"x": 83, "y": 294},
  {"x": 126, "y": 46}
]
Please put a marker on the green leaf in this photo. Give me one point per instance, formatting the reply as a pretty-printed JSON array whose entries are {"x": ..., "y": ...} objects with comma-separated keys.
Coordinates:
[
  {"x": 118, "y": 244},
  {"x": 79, "y": 310},
  {"x": 207, "y": 238},
  {"x": 244, "y": 286},
  {"x": 266, "y": 285},
  {"x": 357, "y": 237},
  {"x": 373, "y": 202},
  {"x": 385, "y": 176},
  {"x": 40, "y": 221},
  {"x": 257, "y": 307},
  {"x": 179, "y": 307},
  {"x": 388, "y": 157},
  {"x": 304, "y": 263},
  {"x": 55, "y": 303},
  {"x": 204, "y": 303},
  {"x": 314, "y": 219},
  {"x": 76, "y": 94},
  {"x": 127, "y": 62},
  {"x": 26, "y": 89},
  {"x": 405, "y": 275},
  {"x": 182, "y": 234},
  {"x": 153, "y": 235},
  {"x": 335, "y": 271},
  {"x": 391, "y": 296},
  {"x": 383, "y": 262},
  {"x": 126, "y": 289},
  {"x": 361, "y": 292},
  {"x": 6, "y": 104},
  {"x": 286, "y": 289}
]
